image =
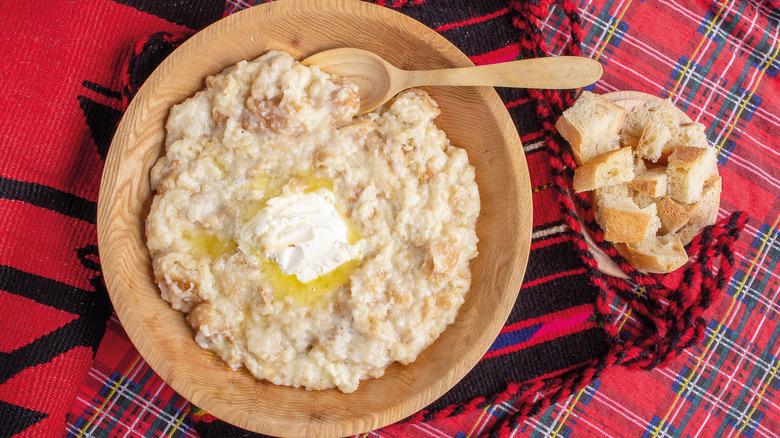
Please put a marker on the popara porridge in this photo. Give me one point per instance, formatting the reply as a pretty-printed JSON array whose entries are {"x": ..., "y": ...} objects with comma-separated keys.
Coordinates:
[{"x": 309, "y": 245}]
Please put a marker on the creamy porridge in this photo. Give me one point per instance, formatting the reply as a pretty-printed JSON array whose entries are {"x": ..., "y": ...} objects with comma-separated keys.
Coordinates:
[{"x": 309, "y": 245}]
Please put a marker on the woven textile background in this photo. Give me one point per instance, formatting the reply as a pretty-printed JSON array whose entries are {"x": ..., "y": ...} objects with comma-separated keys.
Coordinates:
[{"x": 63, "y": 371}]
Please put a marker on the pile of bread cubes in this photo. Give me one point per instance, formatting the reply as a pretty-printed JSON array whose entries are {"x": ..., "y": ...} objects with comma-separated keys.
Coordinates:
[{"x": 653, "y": 182}]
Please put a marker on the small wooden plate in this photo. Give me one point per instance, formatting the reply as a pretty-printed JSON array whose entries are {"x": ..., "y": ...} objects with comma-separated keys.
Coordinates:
[
  {"x": 473, "y": 118},
  {"x": 628, "y": 100}
]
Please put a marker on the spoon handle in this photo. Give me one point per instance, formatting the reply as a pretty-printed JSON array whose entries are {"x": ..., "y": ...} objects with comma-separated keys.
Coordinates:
[{"x": 557, "y": 73}]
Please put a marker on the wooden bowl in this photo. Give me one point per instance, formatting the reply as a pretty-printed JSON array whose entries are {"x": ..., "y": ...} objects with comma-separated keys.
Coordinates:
[{"x": 473, "y": 118}]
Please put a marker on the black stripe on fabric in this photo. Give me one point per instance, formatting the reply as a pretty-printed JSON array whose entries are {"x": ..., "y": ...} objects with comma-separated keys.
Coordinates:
[
  {"x": 49, "y": 198},
  {"x": 434, "y": 14},
  {"x": 222, "y": 429},
  {"x": 523, "y": 115},
  {"x": 46, "y": 291},
  {"x": 17, "y": 419},
  {"x": 194, "y": 14},
  {"x": 85, "y": 331},
  {"x": 499, "y": 29},
  {"x": 551, "y": 259},
  {"x": 97, "y": 88},
  {"x": 511, "y": 94},
  {"x": 552, "y": 296},
  {"x": 102, "y": 121},
  {"x": 491, "y": 375}
]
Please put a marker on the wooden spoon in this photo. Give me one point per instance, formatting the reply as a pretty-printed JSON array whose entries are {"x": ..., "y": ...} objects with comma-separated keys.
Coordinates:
[{"x": 378, "y": 81}]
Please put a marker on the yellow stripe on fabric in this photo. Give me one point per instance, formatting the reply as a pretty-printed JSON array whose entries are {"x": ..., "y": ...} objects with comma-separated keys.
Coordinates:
[
  {"x": 562, "y": 421},
  {"x": 696, "y": 51},
  {"x": 612, "y": 30},
  {"x": 760, "y": 396},
  {"x": 625, "y": 318},
  {"x": 749, "y": 96},
  {"x": 176, "y": 426},
  {"x": 707, "y": 347},
  {"x": 108, "y": 397},
  {"x": 479, "y": 420},
  {"x": 628, "y": 312}
]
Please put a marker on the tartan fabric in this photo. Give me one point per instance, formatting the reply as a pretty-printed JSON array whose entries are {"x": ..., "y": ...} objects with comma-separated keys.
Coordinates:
[
  {"x": 716, "y": 61},
  {"x": 122, "y": 396}
]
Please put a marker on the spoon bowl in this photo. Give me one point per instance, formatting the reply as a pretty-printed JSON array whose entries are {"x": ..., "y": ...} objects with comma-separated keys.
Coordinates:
[{"x": 378, "y": 80}]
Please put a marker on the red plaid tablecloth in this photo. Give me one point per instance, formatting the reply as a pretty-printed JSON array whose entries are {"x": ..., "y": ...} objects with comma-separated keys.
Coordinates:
[{"x": 66, "y": 366}]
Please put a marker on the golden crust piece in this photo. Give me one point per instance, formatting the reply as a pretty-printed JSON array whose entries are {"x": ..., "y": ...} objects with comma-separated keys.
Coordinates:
[
  {"x": 591, "y": 126},
  {"x": 673, "y": 216},
  {"x": 702, "y": 213},
  {"x": 607, "y": 169},
  {"x": 659, "y": 254},
  {"x": 659, "y": 129},
  {"x": 689, "y": 168},
  {"x": 625, "y": 222},
  {"x": 652, "y": 182}
]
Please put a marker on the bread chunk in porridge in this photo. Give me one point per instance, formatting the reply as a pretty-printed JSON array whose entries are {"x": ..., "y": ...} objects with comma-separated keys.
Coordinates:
[{"x": 311, "y": 246}]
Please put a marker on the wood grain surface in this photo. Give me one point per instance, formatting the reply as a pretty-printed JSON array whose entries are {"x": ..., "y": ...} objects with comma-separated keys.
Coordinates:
[
  {"x": 473, "y": 118},
  {"x": 379, "y": 81}
]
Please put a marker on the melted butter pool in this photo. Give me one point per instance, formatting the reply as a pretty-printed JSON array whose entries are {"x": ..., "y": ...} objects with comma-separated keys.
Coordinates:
[
  {"x": 317, "y": 292},
  {"x": 202, "y": 243}
]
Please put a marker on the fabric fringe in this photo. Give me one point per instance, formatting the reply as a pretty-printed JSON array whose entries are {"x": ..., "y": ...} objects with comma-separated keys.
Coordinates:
[{"x": 672, "y": 317}]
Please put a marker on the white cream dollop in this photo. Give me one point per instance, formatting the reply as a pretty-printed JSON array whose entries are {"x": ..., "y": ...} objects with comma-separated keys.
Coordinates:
[{"x": 303, "y": 233}]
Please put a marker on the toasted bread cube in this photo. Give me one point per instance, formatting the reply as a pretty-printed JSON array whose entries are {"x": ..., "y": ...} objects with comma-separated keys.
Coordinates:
[
  {"x": 702, "y": 213},
  {"x": 639, "y": 165},
  {"x": 642, "y": 200},
  {"x": 603, "y": 194},
  {"x": 651, "y": 182},
  {"x": 614, "y": 191},
  {"x": 607, "y": 169},
  {"x": 633, "y": 125},
  {"x": 691, "y": 134},
  {"x": 688, "y": 169},
  {"x": 712, "y": 172},
  {"x": 673, "y": 216},
  {"x": 591, "y": 126},
  {"x": 638, "y": 117},
  {"x": 658, "y": 132},
  {"x": 629, "y": 137},
  {"x": 624, "y": 222},
  {"x": 657, "y": 254}
]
